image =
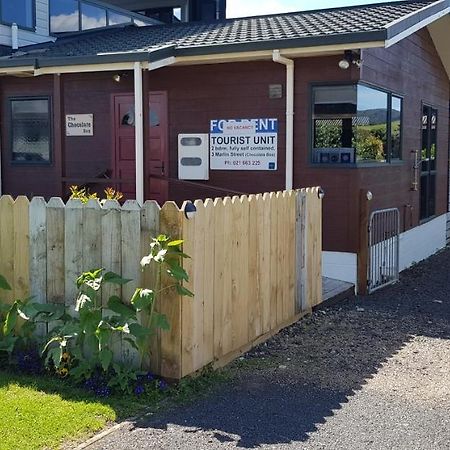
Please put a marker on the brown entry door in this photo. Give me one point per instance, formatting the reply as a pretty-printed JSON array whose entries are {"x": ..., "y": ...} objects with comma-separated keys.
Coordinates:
[{"x": 156, "y": 147}]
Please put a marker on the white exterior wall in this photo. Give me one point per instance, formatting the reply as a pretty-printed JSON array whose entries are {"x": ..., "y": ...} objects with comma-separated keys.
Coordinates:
[
  {"x": 340, "y": 266},
  {"x": 416, "y": 245},
  {"x": 41, "y": 33}
]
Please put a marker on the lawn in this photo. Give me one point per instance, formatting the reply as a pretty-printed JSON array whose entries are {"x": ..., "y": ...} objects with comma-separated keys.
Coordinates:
[
  {"x": 43, "y": 412},
  {"x": 38, "y": 412}
]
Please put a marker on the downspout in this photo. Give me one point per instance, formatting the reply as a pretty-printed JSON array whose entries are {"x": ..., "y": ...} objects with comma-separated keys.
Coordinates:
[
  {"x": 139, "y": 132},
  {"x": 289, "y": 63}
]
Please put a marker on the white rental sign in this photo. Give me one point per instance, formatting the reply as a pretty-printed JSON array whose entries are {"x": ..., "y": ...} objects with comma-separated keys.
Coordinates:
[
  {"x": 244, "y": 144},
  {"x": 79, "y": 125}
]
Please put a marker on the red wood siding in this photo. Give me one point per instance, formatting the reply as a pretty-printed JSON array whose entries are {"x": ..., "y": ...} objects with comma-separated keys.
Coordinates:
[{"x": 411, "y": 68}]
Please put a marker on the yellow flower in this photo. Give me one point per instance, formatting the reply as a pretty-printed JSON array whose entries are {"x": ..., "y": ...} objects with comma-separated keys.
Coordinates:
[{"x": 64, "y": 372}]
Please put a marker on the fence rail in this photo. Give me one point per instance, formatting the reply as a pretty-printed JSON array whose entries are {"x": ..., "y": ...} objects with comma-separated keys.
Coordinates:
[{"x": 255, "y": 266}]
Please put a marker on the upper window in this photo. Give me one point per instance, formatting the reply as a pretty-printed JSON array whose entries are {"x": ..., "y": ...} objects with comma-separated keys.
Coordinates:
[
  {"x": 20, "y": 12},
  {"x": 76, "y": 15},
  {"x": 64, "y": 16},
  {"x": 355, "y": 123},
  {"x": 30, "y": 130},
  {"x": 92, "y": 17}
]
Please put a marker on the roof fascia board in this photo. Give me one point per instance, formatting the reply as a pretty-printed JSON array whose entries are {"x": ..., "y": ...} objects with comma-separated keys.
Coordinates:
[
  {"x": 83, "y": 68},
  {"x": 349, "y": 39},
  {"x": 101, "y": 59},
  {"x": 16, "y": 70},
  {"x": 410, "y": 24},
  {"x": 267, "y": 54}
]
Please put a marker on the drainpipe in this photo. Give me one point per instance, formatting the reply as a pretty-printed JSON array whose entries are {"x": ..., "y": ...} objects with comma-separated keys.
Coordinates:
[
  {"x": 139, "y": 132},
  {"x": 289, "y": 63}
]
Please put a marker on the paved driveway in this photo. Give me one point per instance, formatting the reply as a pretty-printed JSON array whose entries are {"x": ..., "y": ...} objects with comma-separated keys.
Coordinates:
[{"x": 368, "y": 374}]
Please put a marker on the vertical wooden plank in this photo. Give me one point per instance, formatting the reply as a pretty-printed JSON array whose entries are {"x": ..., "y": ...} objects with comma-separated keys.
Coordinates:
[
  {"x": 131, "y": 246},
  {"x": 7, "y": 243},
  {"x": 21, "y": 282},
  {"x": 221, "y": 274},
  {"x": 240, "y": 227},
  {"x": 254, "y": 300},
  {"x": 290, "y": 265},
  {"x": 149, "y": 230},
  {"x": 38, "y": 255},
  {"x": 273, "y": 259},
  {"x": 55, "y": 262},
  {"x": 92, "y": 235},
  {"x": 299, "y": 251},
  {"x": 305, "y": 305},
  {"x": 73, "y": 249},
  {"x": 279, "y": 261},
  {"x": 192, "y": 311},
  {"x": 208, "y": 283},
  {"x": 263, "y": 254},
  {"x": 131, "y": 269},
  {"x": 171, "y": 360},
  {"x": 363, "y": 244},
  {"x": 111, "y": 245}
]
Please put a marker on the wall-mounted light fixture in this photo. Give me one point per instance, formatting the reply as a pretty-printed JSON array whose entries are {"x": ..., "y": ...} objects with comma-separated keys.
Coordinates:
[
  {"x": 369, "y": 196},
  {"x": 350, "y": 57},
  {"x": 190, "y": 210},
  {"x": 117, "y": 77},
  {"x": 321, "y": 193}
]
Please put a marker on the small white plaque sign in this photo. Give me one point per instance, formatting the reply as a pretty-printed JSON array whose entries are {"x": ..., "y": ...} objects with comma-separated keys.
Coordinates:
[{"x": 79, "y": 125}]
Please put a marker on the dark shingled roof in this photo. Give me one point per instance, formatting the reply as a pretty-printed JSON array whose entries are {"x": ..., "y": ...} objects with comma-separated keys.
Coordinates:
[{"x": 298, "y": 29}]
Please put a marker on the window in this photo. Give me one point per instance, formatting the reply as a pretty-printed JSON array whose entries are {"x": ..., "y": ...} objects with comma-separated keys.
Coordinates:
[
  {"x": 77, "y": 15},
  {"x": 370, "y": 139},
  {"x": 117, "y": 19},
  {"x": 30, "y": 130},
  {"x": 64, "y": 16},
  {"x": 355, "y": 124},
  {"x": 92, "y": 17},
  {"x": 20, "y": 12}
]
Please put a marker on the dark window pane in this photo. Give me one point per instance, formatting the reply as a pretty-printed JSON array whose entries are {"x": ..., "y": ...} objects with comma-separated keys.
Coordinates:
[
  {"x": 129, "y": 118},
  {"x": 30, "y": 131},
  {"x": 115, "y": 18},
  {"x": 334, "y": 115},
  {"x": 396, "y": 127},
  {"x": 423, "y": 197},
  {"x": 64, "y": 16},
  {"x": 18, "y": 11},
  {"x": 433, "y": 138},
  {"x": 154, "y": 119},
  {"x": 370, "y": 139},
  {"x": 92, "y": 17},
  {"x": 425, "y": 154}
]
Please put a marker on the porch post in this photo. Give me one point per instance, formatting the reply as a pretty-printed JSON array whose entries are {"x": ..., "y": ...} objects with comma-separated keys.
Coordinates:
[{"x": 139, "y": 132}]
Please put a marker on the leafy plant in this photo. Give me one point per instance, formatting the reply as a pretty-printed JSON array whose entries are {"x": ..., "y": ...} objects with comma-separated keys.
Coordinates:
[
  {"x": 84, "y": 195},
  {"x": 92, "y": 335},
  {"x": 19, "y": 320}
]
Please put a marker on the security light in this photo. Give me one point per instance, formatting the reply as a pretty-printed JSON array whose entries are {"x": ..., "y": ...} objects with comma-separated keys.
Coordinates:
[
  {"x": 321, "y": 193},
  {"x": 117, "y": 77},
  {"x": 190, "y": 210},
  {"x": 349, "y": 58}
]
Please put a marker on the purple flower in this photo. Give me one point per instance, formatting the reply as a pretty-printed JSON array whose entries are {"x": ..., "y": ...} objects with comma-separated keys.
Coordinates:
[
  {"x": 139, "y": 389},
  {"x": 163, "y": 385}
]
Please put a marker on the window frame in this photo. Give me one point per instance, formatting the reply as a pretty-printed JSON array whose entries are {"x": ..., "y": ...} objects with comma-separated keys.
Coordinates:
[
  {"x": 109, "y": 8},
  {"x": 365, "y": 164},
  {"x": 22, "y": 27},
  {"x": 48, "y": 98}
]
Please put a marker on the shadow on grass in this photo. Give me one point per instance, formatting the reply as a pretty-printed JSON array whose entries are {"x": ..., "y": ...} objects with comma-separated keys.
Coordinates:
[{"x": 328, "y": 358}]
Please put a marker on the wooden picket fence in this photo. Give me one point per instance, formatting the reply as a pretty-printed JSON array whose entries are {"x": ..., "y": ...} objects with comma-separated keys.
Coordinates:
[{"x": 255, "y": 264}]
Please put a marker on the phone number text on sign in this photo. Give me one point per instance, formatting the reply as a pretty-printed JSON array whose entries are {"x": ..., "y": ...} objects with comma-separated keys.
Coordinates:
[{"x": 244, "y": 144}]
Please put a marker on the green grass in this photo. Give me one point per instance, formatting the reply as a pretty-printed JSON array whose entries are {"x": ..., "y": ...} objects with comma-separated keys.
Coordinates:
[{"x": 43, "y": 412}]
